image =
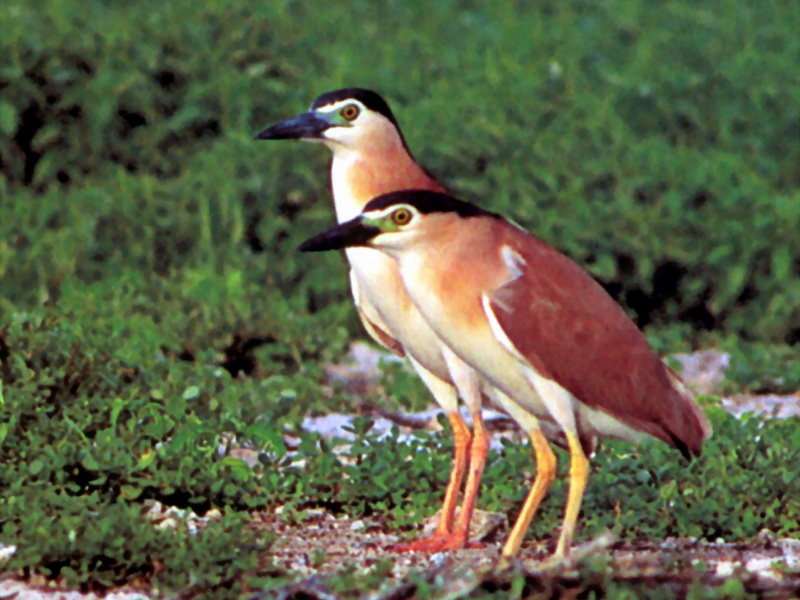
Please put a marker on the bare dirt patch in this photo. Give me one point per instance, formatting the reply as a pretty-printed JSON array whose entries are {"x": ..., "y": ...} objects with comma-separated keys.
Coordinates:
[{"x": 324, "y": 545}]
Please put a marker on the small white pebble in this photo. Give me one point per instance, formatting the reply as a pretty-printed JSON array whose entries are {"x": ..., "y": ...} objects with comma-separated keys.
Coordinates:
[
  {"x": 763, "y": 567},
  {"x": 6, "y": 552},
  {"x": 765, "y": 534},
  {"x": 168, "y": 523},
  {"x": 180, "y": 513},
  {"x": 789, "y": 545}
]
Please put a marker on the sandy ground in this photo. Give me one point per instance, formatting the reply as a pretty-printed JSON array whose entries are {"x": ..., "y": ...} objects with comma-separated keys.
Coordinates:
[{"x": 764, "y": 565}]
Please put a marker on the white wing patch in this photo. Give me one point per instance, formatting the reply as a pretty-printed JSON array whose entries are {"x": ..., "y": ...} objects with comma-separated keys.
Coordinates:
[
  {"x": 514, "y": 263},
  {"x": 497, "y": 330}
]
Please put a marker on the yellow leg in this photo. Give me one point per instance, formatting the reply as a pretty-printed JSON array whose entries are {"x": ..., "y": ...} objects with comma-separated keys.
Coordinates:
[
  {"x": 443, "y": 537},
  {"x": 545, "y": 471},
  {"x": 578, "y": 474},
  {"x": 477, "y": 461},
  {"x": 462, "y": 439}
]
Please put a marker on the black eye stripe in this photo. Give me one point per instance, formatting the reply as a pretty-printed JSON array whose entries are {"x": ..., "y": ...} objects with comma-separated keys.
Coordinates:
[
  {"x": 426, "y": 202},
  {"x": 369, "y": 99}
]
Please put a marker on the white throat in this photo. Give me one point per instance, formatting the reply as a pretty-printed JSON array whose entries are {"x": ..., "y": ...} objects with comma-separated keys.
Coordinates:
[{"x": 345, "y": 201}]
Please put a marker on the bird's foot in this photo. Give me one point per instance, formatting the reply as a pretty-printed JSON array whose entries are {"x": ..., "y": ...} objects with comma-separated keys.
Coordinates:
[{"x": 437, "y": 543}]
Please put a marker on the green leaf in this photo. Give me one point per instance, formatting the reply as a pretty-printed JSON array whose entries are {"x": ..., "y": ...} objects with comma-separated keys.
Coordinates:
[
  {"x": 90, "y": 463},
  {"x": 130, "y": 492},
  {"x": 191, "y": 392},
  {"x": 146, "y": 459},
  {"x": 8, "y": 118}
]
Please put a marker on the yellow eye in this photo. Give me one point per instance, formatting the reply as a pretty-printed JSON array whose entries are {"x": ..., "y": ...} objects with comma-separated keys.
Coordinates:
[
  {"x": 350, "y": 112},
  {"x": 402, "y": 216}
]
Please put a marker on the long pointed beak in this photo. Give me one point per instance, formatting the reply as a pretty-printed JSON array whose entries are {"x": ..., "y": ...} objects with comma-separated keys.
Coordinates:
[
  {"x": 309, "y": 125},
  {"x": 351, "y": 233}
]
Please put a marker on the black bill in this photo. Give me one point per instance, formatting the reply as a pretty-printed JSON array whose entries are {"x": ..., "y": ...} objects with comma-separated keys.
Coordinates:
[
  {"x": 351, "y": 233},
  {"x": 309, "y": 125}
]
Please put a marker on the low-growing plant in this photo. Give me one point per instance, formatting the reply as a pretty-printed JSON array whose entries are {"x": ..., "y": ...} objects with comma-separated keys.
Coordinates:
[
  {"x": 86, "y": 433},
  {"x": 761, "y": 368}
]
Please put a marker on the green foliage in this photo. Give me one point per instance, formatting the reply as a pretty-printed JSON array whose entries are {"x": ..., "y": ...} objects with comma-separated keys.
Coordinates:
[
  {"x": 154, "y": 313},
  {"x": 88, "y": 434},
  {"x": 657, "y": 146},
  {"x": 762, "y": 368},
  {"x": 88, "y": 437},
  {"x": 107, "y": 544}
]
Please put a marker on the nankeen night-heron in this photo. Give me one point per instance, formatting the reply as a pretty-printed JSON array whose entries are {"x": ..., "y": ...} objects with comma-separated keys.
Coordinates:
[
  {"x": 532, "y": 323},
  {"x": 371, "y": 157}
]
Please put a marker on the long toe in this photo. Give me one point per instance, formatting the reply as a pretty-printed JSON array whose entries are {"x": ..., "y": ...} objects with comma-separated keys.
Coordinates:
[{"x": 436, "y": 543}]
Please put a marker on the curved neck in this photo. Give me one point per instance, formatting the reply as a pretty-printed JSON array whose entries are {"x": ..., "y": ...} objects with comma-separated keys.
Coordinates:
[{"x": 358, "y": 177}]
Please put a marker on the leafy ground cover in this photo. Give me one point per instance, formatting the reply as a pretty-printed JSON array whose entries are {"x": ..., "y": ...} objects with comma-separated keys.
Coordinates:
[
  {"x": 155, "y": 319},
  {"x": 87, "y": 434}
]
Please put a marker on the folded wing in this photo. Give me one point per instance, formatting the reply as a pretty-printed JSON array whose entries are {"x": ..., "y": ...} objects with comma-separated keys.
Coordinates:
[{"x": 565, "y": 325}]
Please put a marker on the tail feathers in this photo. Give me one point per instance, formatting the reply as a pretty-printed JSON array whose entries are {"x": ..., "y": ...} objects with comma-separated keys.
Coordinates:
[{"x": 688, "y": 426}]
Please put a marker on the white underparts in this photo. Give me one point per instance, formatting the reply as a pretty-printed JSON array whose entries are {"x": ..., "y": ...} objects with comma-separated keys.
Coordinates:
[
  {"x": 465, "y": 379},
  {"x": 525, "y": 418},
  {"x": 444, "y": 393},
  {"x": 559, "y": 402}
]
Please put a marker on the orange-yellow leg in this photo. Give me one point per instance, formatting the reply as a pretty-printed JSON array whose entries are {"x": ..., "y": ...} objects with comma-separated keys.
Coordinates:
[
  {"x": 477, "y": 461},
  {"x": 578, "y": 474},
  {"x": 545, "y": 471},
  {"x": 442, "y": 537}
]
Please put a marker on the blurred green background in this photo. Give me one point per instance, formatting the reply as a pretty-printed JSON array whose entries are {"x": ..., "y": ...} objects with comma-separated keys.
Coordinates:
[
  {"x": 148, "y": 273},
  {"x": 656, "y": 143}
]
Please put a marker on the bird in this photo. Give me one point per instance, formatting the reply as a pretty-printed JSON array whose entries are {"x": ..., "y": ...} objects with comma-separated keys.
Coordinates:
[
  {"x": 370, "y": 157},
  {"x": 533, "y": 323}
]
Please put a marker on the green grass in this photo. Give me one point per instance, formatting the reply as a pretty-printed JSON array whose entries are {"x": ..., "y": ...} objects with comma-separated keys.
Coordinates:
[{"x": 152, "y": 303}]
